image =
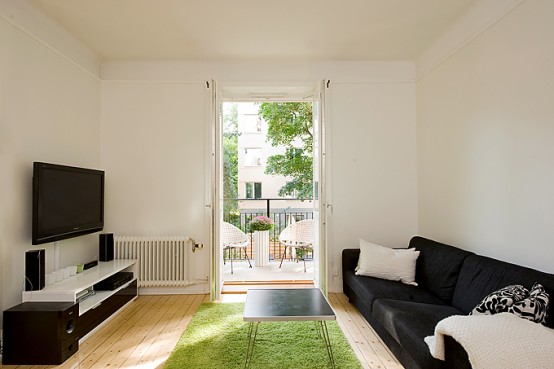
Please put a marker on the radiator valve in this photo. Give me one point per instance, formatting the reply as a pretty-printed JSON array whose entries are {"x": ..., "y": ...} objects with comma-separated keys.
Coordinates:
[{"x": 196, "y": 246}]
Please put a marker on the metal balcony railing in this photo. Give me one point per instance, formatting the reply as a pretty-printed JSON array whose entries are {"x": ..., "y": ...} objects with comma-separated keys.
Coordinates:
[{"x": 282, "y": 216}]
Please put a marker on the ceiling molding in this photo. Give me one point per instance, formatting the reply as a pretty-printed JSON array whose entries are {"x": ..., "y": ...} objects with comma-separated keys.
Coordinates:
[
  {"x": 24, "y": 16},
  {"x": 261, "y": 72},
  {"x": 482, "y": 16}
]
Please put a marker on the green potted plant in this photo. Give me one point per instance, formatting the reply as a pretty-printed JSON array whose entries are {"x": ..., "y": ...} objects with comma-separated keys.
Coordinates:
[{"x": 261, "y": 223}]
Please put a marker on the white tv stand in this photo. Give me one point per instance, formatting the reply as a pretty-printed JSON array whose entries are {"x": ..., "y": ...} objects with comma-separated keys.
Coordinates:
[
  {"x": 53, "y": 321},
  {"x": 68, "y": 289},
  {"x": 96, "y": 308}
]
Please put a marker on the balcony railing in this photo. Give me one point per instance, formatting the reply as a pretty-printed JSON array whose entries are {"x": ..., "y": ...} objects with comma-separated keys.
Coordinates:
[{"x": 283, "y": 211}]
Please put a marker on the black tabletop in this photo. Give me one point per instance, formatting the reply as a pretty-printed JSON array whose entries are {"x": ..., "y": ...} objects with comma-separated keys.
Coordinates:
[{"x": 286, "y": 304}]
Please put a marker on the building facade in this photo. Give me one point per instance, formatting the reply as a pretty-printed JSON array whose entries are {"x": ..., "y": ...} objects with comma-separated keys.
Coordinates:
[{"x": 255, "y": 186}]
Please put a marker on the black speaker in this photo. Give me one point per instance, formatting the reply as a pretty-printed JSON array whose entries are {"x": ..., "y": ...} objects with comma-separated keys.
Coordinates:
[
  {"x": 40, "y": 333},
  {"x": 106, "y": 246},
  {"x": 34, "y": 270}
]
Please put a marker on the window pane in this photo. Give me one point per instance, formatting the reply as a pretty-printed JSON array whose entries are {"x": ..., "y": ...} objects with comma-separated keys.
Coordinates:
[
  {"x": 253, "y": 157},
  {"x": 249, "y": 194},
  {"x": 250, "y": 123},
  {"x": 258, "y": 190}
]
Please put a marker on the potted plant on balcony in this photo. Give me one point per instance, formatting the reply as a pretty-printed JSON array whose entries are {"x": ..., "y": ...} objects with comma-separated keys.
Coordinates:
[{"x": 260, "y": 227}]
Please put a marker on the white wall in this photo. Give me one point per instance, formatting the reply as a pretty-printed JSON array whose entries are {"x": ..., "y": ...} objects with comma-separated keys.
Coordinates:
[
  {"x": 485, "y": 141},
  {"x": 155, "y": 153},
  {"x": 49, "y": 111},
  {"x": 372, "y": 168},
  {"x": 371, "y": 142}
]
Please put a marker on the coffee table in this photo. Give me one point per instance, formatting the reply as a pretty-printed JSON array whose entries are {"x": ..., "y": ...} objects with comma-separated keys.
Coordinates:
[{"x": 298, "y": 304}]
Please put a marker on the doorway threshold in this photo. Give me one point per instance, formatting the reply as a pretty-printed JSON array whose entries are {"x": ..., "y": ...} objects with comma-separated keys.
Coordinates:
[{"x": 240, "y": 287}]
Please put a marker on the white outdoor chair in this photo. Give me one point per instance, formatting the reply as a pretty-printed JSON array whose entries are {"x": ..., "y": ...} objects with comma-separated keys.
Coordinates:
[
  {"x": 232, "y": 237},
  {"x": 299, "y": 235}
]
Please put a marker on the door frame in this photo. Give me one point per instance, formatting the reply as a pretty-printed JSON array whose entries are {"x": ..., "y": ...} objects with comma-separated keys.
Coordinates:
[
  {"x": 214, "y": 203},
  {"x": 321, "y": 275},
  {"x": 216, "y": 171}
]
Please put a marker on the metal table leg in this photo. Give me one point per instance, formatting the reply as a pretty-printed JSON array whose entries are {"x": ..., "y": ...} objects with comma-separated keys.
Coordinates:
[
  {"x": 327, "y": 342},
  {"x": 318, "y": 328},
  {"x": 252, "y": 332}
]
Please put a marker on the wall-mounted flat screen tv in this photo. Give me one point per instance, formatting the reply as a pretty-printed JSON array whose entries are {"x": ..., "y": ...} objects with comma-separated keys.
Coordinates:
[{"x": 67, "y": 202}]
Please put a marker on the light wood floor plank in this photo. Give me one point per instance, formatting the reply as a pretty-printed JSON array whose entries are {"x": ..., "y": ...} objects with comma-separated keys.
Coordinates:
[
  {"x": 145, "y": 346},
  {"x": 372, "y": 357},
  {"x": 366, "y": 338},
  {"x": 135, "y": 346},
  {"x": 132, "y": 335},
  {"x": 370, "y": 335},
  {"x": 341, "y": 314},
  {"x": 145, "y": 332},
  {"x": 164, "y": 343}
]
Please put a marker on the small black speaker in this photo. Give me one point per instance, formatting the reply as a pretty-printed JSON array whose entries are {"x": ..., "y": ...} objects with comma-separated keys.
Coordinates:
[
  {"x": 34, "y": 270},
  {"x": 106, "y": 246}
]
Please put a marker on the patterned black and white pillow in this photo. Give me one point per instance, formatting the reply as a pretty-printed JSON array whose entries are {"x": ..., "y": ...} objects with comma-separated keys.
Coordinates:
[
  {"x": 534, "y": 307},
  {"x": 501, "y": 300}
]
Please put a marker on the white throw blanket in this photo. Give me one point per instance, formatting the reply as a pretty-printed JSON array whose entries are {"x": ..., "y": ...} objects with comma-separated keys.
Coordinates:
[{"x": 501, "y": 341}]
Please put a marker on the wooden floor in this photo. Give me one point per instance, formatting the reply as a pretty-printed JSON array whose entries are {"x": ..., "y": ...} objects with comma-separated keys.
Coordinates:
[
  {"x": 145, "y": 332},
  {"x": 367, "y": 345}
]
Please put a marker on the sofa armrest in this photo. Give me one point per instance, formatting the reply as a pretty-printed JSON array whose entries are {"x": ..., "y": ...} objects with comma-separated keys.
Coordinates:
[{"x": 350, "y": 259}]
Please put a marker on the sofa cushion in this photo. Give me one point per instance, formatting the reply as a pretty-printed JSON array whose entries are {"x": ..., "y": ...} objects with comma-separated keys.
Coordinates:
[
  {"x": 410, "y": 322},
  {"x": 386, "y": 263},
  {"x": 482, "y": 275},
  {"x": 438, "y": 266},
  {"x": 370, "y": 289},
  {"x": 499, "y": 301},
  {"x": 534, "y": 307}
]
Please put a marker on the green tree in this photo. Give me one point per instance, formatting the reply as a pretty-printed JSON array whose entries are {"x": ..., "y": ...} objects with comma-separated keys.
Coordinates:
[
  {"x": 290, "y": 124},
  {"x": 230, "y": 160}
]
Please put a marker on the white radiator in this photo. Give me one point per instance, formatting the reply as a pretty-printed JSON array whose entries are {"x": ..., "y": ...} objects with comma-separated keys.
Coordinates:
[{"x": 161, "y": 260}]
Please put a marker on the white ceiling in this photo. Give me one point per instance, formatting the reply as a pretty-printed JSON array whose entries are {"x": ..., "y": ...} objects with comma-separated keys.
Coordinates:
[{"x": 239, "y": 30}]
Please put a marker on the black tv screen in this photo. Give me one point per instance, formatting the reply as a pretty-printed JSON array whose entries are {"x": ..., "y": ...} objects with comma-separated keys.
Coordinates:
[{"x": 67, "y": 202}]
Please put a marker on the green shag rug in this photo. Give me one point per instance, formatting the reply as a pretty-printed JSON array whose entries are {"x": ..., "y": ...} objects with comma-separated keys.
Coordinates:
[{"x": 216, "y": 338}]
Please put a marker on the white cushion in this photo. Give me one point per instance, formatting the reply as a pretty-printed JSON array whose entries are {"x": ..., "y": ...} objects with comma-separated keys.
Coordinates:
[{"x": 386, "y": 263}]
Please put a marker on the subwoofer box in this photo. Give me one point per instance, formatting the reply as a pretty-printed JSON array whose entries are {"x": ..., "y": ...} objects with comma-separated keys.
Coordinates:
[{"x": 40, "y": 333}]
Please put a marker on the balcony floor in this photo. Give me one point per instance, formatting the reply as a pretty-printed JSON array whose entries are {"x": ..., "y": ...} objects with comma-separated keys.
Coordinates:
[{"x": 291, "y": 271}]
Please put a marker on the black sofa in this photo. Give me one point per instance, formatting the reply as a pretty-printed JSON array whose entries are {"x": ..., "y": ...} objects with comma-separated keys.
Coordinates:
[{"x": 451, "y": 281}]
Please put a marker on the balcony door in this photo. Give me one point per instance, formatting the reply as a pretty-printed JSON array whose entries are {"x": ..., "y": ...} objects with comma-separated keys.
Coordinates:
[
  {"x": 319, "y": 184},
  {"x": 255, "y": 194}
]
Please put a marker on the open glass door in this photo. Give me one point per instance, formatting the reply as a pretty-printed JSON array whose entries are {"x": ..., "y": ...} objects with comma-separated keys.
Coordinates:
[
  {"x": 257, "y": 192},
  {"x": 320, "y": 249},
  {"x": 216, "y": 203}
]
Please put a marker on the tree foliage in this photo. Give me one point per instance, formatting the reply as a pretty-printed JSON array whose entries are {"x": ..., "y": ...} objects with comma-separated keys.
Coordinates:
[
  {"x": 290, "y": 124},
  {"x": 230, "y": 159}
]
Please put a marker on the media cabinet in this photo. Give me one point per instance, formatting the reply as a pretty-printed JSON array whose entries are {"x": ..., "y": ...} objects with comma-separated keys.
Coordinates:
[{"x": 54, "y": 319}]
